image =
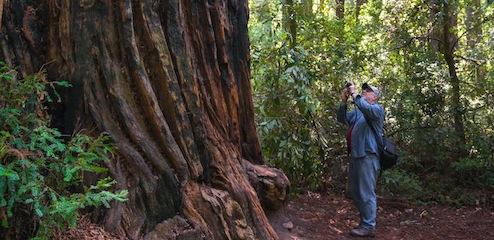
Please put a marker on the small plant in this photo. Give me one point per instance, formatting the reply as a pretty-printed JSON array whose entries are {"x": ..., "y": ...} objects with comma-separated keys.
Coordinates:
[
  {"x": 402, "y": 183},
  {"x": 38, "y": 169}
]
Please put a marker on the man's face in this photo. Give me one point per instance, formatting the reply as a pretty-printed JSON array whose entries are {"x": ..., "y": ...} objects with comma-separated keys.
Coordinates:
[{"x": 368, "y": 95}]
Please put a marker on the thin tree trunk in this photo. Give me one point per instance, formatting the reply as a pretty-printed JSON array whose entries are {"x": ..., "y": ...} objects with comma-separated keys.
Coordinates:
[
  {"x": 450, "y": 39},
  {"x": 289, "y": 22},
  {"x": 1, "y": 13},
  {"x": 340, "y": 9}
]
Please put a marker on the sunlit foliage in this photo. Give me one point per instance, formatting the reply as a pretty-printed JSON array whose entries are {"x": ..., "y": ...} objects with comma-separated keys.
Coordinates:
[{"x": 395, "y": 45}]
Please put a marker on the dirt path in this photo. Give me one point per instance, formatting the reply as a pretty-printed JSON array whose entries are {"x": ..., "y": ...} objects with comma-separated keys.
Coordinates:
[
  {"x": 318, "y": 217},
  {"x": 327, "y": 216}
]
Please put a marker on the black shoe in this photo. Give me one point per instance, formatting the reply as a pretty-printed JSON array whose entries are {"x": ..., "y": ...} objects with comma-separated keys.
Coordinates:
[{"x": 362, "y": 232}]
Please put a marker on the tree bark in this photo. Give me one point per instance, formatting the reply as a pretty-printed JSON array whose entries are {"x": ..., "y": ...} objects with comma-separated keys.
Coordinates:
[
  {"x": 450, "y": 40},
  {"x": 340, "y": 9},
  {"x": 170, "y": 82},
  {"x": 289, "y": 21},
  {"x": 1, "y": 13}
]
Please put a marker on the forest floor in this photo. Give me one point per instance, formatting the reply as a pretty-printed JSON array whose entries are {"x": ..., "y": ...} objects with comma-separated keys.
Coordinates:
[
  {"x": 314, "y": 216},
  {"x": 331, "y": 216}
]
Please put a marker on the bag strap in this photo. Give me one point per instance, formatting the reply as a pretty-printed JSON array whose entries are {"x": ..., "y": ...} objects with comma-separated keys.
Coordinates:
[
  {"x": 381, "y": 145},
  {"x": 379, "y": 140}
]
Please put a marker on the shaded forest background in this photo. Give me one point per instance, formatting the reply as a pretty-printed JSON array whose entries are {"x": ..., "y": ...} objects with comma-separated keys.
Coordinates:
[{"x": 433, "y": 60}]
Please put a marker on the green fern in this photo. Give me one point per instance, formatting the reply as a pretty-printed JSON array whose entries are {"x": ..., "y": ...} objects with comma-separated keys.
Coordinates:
[{"x": 38, "y": 167}]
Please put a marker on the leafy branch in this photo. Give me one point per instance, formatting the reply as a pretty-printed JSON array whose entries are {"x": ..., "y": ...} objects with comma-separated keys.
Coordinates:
[{"x": 38, "y": 169}]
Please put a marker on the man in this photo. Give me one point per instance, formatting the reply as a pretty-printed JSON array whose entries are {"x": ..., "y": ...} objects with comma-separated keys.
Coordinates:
[{"x": 363, "y": 148}]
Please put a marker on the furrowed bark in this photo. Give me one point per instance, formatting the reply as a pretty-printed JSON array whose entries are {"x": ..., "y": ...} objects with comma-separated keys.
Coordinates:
[{"x": 169, "y": 82}]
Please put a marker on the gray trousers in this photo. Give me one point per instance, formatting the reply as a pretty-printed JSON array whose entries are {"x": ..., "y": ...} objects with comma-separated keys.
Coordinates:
[{"x": 362, "y": 178}]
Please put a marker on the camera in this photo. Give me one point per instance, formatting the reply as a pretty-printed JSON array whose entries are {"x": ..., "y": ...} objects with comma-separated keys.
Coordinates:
[
  {"x": 348, "y": 84},
  {"x": 365, "y": 86}
]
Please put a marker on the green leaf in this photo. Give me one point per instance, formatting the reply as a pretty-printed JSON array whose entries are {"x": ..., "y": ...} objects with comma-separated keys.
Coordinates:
[
  {"x": 9, "y": 173},
  {"x": 64, "y": 84},
  {"x": 38, "y": 212}
]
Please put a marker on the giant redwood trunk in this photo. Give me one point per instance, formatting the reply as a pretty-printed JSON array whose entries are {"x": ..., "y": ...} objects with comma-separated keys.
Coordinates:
[{"x": 169, "y": 81}]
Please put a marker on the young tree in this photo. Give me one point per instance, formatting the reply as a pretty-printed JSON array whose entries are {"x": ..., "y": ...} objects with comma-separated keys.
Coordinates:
[
  {"x": 289, "y": 21},
  {"x": 449, "y": 47},
  {"x": 445, "y": 40},
  {"x": 169, "y": 81}
]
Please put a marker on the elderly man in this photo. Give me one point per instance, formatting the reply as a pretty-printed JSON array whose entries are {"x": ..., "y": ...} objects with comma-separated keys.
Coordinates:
[{"x": 363, "y": 149}]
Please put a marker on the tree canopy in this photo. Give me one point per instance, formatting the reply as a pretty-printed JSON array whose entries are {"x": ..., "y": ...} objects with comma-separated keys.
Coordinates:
[{"x": 433, "y": 61}]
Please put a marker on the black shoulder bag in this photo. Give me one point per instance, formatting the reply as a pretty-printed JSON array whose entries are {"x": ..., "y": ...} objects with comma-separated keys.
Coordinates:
[{"x": 388, "y": 153}]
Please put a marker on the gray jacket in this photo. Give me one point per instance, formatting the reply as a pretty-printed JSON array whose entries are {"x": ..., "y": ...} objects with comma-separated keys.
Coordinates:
[{"x": 363, "y": 139}]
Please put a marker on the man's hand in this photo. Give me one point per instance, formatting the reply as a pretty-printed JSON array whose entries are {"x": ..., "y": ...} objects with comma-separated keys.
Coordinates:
[
  {"x": 347, "y": 92},
  {"x": 344, "y": 95},
  {"x": 351, "y": 89}
]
